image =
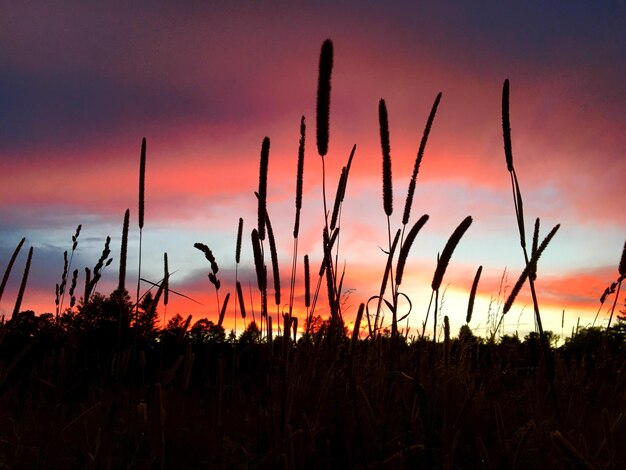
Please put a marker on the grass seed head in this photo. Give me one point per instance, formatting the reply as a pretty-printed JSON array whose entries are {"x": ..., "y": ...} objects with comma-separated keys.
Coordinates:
[
  {"x": 386, "y": 149},
  {"x": 530, "y": 268},
  {"x": 238, "y": 246},
  {"x": 7, "y": 271},
  {"x": 262, "y": 194},
  {"x": 299, "y": 178},
  {"x": 323, "y": 97},
  {"x": 208, "y": 255},
  {"x": 258, "y": 260},
  {"x": 242, "y": 304},
  {"x": 307, "y": 282},
  {"x": 418, "y": 161},
  {"x": 274, "y": 257},
  {"x": 123, "y": 253},
  {"x": 166, "y": 279},
  {"x": 472, "y": 297},
  {"x": 622, "y": 262},
  {"x": 142, "y": 182},
  {"x": 406, "y": 246},
  {"x": 446, "y": 254},
  {"x": 506, "y": 126}
]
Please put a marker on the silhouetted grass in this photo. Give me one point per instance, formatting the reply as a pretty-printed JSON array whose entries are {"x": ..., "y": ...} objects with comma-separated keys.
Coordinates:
[{"x": 87, "y": 390}]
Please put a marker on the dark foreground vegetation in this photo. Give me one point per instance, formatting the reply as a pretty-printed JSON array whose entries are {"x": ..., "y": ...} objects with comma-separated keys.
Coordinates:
[{"x": 189, "y": 396}]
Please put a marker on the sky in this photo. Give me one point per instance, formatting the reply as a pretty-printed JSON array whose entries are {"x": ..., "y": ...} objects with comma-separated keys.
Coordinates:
[{"x": 81, "y": 83}]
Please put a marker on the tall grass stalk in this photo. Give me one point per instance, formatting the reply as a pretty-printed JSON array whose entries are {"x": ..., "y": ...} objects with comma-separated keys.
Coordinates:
[
  {"x": 383, "y": 287},
  {"x": 261, "y": 271},
  {"x": 220, "y": 320},
  {"x": 356, "y": 330},
  {"x": 307, "y": 294},
  {"x": 121, "y": 285},
  {"x": 322, "y": 134},
  {"x": 166, "y": 286},
  {"x": 72, "y": 288},
  {"x": 123, "y": 321},
  {"x": 619, "y": 285},
  {"x": 418, "y": 161},
  {"x": 323, "y": 111},
  {"x": 330, "y": 240},
  {"x": 323, "y": 96},
  {"x": 517, "y": 199},
  {"x": 519, "y": 213},
  {"x": 622, "y": 275},
  {"x": 140, "y": 216},
  {"x": 237, "y": 283},
  {"x": 296, "y": 225},
  {"x": 274, "y": 259},
  {"x": 333, "y": 300},
  {"x": 242, "y": 305},
  {"x": 341, "y": 189},
  {"x": 20, "y": 293},
  {"x": 444, "y": 260},
  {"x": 406, "y": 247},
  {"x": 7, "y": 271},
  {"x": 208, "y": 254},
  {"x": 87, "y": 290},
  {"x": 262, "y": 194},
  {"x": 60, "y": 289},
  {"x": 383, "y": 120},
  {"x": 93, "y": 277},
  {"x": 162, "y": 287},
  {"x": 322, "y": 271},
  {"x": 472, "y": 297},
  {"x": 68, "y": 267},
  {"x": 607, "y": 292},
  {"x": 334, "y": 231},
  {"x": 261, "y": 226},
  {"x": 530, "y": 269},
  {"x": 621, "y": 269},
  {"x": 535, "y": 242},
  {"x": 342, "y": 186}
]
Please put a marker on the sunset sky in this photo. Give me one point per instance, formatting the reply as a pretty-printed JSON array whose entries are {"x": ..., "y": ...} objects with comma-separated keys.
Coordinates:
[{"x": 82, "y": 82}]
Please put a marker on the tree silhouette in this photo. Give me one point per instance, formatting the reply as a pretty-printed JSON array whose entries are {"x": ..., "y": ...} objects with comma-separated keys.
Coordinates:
[
  {"x": 174, "y": 325},
  {"x": 205, "y": 331},
  {"x": 145, "y": 323},
  {"x": 99, "y": 321},
  {"x": 251, "y": 335},
  {"x": 466, "y": 335}
]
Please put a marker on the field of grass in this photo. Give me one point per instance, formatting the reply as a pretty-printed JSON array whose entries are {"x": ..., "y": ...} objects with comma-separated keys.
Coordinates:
[{"x": 98, "y": 385}]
